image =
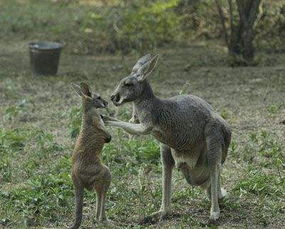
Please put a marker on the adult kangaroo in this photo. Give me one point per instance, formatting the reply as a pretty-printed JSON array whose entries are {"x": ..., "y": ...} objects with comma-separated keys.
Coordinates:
[{"x": 193, "y": 137}]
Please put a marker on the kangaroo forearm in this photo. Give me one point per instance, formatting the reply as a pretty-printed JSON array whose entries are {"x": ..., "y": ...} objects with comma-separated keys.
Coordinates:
[
  {"x": 135, "y": 129},
  {"x": 134, "y": 118}
]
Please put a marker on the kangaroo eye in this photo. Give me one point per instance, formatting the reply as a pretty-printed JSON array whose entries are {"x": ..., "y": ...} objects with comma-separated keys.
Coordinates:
[
  {"x": 99, "y": 97},
  {"x": 128, "y": 84}
]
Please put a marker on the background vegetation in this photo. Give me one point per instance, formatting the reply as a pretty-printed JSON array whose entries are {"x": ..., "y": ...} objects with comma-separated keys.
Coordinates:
[
  {"x": 137, "y": 25},
  {"x": 40, "y": 116}
]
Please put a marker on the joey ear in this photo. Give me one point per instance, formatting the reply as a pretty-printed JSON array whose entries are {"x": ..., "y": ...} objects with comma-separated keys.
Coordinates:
[
  {"x": 77, "y": 89},
  {"x": 85, "y": 89},
  {"x": 148, "y": 68}
]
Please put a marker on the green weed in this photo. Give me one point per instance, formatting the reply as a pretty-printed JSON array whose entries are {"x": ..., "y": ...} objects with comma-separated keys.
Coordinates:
[
  {"x": 273, "y": 109},
  {"x": 260, "y": 183},
  {"x": 265, "y": 148},
  {"x": 74, "y": 124}
]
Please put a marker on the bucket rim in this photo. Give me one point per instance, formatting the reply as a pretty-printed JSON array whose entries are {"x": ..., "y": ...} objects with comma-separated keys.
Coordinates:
[{"x": 46, "y": 45}]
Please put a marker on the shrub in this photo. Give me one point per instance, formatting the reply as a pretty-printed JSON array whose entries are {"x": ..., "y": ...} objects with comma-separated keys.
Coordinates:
[{"x": 148, "y": 27}]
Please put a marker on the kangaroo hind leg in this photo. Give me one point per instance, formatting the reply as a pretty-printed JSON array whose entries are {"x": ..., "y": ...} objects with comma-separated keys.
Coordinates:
[
  {"x": 214, "y": 156},
  {"x": 167, "y": 167},
  {"x": 222, "y": 193}
]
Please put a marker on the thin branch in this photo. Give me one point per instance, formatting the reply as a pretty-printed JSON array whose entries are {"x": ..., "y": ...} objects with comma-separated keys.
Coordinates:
[
  {"x": 231, "y": 15},
  {"x": 222, "y": 18},
  {"x": 254, "y": 10},
  {"x": 240, "y": 9},
  {"x": 259, "y": 15},
  {"x": 242, "y": 12}
]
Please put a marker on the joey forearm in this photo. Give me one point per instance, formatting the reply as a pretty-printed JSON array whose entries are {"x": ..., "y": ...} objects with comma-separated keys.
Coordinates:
[{"x": 101, "y": 126}]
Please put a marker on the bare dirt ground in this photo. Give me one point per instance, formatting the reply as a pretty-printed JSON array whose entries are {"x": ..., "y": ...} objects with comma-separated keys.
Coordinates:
[{"x": 251, "y": 99}]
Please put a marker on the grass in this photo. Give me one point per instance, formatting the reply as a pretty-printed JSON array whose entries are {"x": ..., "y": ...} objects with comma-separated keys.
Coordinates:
[{"x": 40, "y": 118}]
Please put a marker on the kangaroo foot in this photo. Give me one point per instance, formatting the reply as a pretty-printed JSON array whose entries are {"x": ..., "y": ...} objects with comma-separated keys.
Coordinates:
[
  {"x": 214, "y": 216},
  {"x": 107, "y": 223},
  {"x": 104, "y": 222},
  {"x": 155, "y": 217}
]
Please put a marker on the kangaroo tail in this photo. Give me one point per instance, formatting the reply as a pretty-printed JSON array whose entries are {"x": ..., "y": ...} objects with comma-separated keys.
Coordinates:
[{"x": 79, "y": 192}]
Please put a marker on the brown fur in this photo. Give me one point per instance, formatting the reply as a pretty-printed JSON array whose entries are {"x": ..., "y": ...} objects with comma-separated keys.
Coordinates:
[{"x": 88, "y": 171}]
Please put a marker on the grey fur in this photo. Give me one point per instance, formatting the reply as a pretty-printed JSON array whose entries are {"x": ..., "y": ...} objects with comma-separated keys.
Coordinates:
[{"x": 194, "y": 137}]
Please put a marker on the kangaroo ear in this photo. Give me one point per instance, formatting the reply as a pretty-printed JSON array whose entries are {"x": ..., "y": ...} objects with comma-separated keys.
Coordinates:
[
  {"x": 85, "y": 89},
  {"x": 77, "y": 89},
  {"x": 147, "y": 68},
  {"x": 142, "y": 61}
]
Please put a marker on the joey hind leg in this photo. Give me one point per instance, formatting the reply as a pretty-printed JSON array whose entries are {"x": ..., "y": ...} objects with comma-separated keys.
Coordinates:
[
  {"x": 101, "y": 190},
  {"x": 98, "y": 203}
]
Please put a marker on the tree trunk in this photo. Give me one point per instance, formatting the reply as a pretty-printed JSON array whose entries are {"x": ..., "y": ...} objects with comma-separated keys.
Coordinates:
[
  {"x": 248, "y": 12},
  {"x": 239, "y": 38}
]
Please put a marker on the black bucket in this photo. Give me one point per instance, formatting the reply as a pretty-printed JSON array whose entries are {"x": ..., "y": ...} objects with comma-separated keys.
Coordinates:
[{"x": 44, "y": 57}]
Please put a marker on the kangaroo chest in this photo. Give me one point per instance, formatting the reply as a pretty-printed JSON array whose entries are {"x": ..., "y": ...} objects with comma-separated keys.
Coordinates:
[
  {"x": 169, "y": 138},
  {"x": 185, "y": 149},
  {"x": 181, "y": 141}
]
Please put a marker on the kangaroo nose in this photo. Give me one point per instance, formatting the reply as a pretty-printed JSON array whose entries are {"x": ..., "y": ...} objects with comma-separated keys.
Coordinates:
[{"x": 115, "y": 98}]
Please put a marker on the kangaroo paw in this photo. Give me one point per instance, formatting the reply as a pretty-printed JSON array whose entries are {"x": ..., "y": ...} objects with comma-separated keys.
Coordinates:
[
  {"x": 223, "y": 194},
  {"x": 134, "y": 120}
]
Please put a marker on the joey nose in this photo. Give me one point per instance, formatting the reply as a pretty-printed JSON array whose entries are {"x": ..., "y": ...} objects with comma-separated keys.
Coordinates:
[
  {"x": 112, "y": 97},
  {"x": 108, "y": 139}
]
